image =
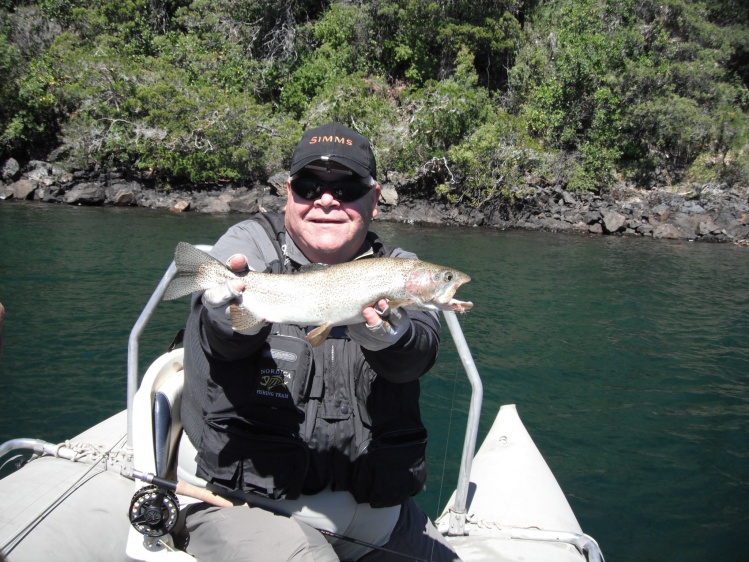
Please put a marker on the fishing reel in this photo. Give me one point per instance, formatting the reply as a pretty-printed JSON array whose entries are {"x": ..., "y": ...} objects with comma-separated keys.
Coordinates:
[{"x": 154, "y": 511}]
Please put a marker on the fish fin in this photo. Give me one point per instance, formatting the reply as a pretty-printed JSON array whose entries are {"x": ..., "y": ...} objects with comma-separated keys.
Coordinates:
[
  {"x": 399, "y": 304},
  {"x": 190, "y": 263},
  {"x": 242, "y": 319},
  {"x": 188, "y": 258},
  {"x": 319, "y": 334},
  {"x": 181, "y": 286}
]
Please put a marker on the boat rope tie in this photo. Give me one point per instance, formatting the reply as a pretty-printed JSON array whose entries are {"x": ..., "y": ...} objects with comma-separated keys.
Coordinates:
[
  {"x": 67, "y": 451},
  {"x": 584, "y": 544}
]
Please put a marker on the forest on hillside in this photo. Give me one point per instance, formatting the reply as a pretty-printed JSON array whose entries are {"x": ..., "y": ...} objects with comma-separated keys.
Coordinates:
[{"x": 482, "y": 98}]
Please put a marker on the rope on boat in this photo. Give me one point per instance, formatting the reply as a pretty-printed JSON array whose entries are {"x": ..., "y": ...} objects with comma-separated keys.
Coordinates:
[
  {"x": 586, "y": 545},
  {"x": 447, "y": 439},
  {"x": 75, "y": 452}
]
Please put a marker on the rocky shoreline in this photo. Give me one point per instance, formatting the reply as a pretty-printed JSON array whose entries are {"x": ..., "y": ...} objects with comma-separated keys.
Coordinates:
[{"x": 708, "y": 214}]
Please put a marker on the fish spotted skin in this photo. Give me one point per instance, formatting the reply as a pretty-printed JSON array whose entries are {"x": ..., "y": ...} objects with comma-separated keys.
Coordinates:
[{"x": 330, "y": 296}]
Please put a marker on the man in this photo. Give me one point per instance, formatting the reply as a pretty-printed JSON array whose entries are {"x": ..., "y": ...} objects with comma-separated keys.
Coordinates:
[{"x": 311, "y": 438}]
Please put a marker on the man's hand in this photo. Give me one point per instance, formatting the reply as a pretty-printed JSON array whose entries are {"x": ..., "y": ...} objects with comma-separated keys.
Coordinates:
[
  {"x": 383, "y": 326},
  {"x": 232, "y": 290}
]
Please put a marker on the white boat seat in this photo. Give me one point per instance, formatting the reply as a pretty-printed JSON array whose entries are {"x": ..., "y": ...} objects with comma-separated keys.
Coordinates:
[
  {"x": 157, "y": 428},
  {"x": 167, "y": 425}
]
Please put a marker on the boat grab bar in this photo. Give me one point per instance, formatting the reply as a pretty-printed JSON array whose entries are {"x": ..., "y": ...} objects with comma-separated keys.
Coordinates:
[
  {"x": 457, "y": 521},
  {"x": 135, "y": 333}
]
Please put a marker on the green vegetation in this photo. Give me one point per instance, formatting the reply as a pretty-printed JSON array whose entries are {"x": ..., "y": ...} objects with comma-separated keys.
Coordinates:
[{"x": 483, "y": 98}]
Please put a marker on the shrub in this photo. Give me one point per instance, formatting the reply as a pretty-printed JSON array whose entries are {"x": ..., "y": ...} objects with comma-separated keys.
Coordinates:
[
  {"x": 337, "y": 48},
  {"x": 497, "y": 160},
  {"x": 444, "y": 113}
]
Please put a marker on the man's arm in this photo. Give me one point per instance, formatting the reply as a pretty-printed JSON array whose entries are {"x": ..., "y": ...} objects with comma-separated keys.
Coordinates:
[
  {"x": 239, "y": 249},
  {"x": 413, "y": 354}
]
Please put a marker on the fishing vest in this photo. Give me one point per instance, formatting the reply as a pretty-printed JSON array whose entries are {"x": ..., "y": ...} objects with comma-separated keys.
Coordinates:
[{"x": 292, "y": 419}]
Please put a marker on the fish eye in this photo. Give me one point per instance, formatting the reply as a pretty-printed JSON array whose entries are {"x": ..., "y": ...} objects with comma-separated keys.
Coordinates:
[{"x": 447, "y": 276}]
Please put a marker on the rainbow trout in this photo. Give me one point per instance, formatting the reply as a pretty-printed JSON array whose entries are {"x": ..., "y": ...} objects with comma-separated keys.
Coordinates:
[{"x": 331, "y": 296}]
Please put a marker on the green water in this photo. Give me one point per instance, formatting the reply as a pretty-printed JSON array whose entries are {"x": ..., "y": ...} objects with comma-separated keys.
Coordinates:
[{"x": 628, "y": 358}]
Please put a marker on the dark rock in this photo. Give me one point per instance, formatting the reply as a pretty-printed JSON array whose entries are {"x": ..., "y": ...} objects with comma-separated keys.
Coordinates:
[
  {"x": 613, "y": 221},
  {"x": 11, "y": 169},
  {"x": 670, "y": 232},
  {"x": 277, "y": 182},
  {"x": 23, "y": 189},
  {"x": 86, "y": 194},
  {"x": 40, "y": 174},
  {"x": 692, "y": 207},
  {"x": 568, "y": 198},
  {"x": 688, "y": 224},
  {"x": 272, "y": 203},
  {"x": 244, "y": 204},
  {"x": 388, "y": 196},
  {"x": 739, "y": 232},
  {"x": 660, "y": 213},
  {"x": 214, "y": 206},
  {"x": 181, "y": 206},
  {"x": 123, "y": 194},
  {"x": 58, "y": 154},
  {"x": 554, "y": 225},
  {"x": 49, "y": 194}
]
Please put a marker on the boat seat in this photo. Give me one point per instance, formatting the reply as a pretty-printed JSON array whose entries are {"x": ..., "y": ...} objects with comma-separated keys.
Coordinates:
[
  {"x": 167, "y": 425},
  {"x": 157, "y": 429},
  {"x": 156, "y": 422}
]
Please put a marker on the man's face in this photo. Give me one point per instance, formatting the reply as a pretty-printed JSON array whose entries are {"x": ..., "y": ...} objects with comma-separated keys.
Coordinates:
[{"x": 325, "y": 229}]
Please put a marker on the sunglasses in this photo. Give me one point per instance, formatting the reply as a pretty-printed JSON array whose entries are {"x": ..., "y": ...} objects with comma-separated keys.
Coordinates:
[{"x": 344, "y": 191}]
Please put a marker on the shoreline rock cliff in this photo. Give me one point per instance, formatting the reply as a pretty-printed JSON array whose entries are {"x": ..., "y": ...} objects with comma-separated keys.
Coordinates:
[{"x": 708, "y": 213}]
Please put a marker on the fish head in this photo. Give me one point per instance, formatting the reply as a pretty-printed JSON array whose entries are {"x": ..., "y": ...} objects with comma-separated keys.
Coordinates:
[{"x": 433, "y": 286}]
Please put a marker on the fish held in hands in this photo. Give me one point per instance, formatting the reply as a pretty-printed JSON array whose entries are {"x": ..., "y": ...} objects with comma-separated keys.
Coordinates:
[{"x": 325, "y": 297}]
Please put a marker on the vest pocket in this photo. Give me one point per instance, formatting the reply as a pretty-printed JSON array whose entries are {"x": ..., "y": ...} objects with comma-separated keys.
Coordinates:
[
  {"x": 391, "y": 469},
  {"x": 254, "y": 459}
]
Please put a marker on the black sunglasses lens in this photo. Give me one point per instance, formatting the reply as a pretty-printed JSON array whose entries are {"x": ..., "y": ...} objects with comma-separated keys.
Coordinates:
[
  {"x": 343, "y": 191},
  {"x": 306, "y": 189},
  {"x": 351, "y": 192}
]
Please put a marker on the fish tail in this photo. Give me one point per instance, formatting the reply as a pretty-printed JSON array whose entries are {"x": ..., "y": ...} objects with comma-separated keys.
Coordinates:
[
  {"x": 181, "y": 286},
  {"x": 196, "y": 271}
]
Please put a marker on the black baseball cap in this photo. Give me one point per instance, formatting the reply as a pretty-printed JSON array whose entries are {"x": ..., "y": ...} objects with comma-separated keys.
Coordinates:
[{"x": 337, "y": 143}]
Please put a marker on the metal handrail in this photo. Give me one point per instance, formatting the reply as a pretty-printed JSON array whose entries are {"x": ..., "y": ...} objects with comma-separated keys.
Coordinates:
[
  {"x": 457, "y": 521},
  {"x": 135, "y": 333}
]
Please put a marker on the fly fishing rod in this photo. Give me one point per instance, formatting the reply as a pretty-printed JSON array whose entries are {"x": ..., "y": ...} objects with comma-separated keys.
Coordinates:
[{"x": 154, "y": 509}]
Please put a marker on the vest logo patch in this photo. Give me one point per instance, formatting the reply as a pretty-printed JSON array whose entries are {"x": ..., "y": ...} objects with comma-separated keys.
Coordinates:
[{"x": 275, "y": 383}]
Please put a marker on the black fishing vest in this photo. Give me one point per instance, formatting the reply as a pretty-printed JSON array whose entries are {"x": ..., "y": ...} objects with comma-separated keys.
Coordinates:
[{"x": 292, "y": 419}]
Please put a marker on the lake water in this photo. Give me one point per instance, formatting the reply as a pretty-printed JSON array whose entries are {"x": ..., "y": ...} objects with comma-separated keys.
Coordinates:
[{"x": 628, "y": 358}]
